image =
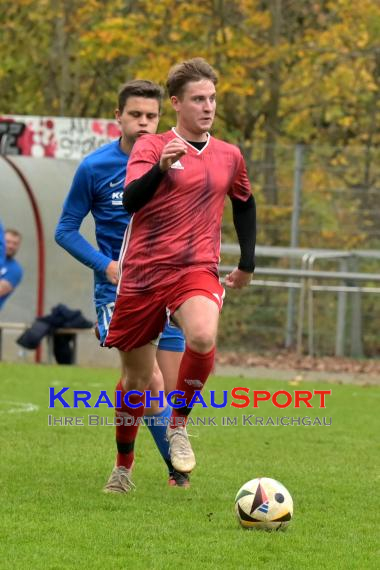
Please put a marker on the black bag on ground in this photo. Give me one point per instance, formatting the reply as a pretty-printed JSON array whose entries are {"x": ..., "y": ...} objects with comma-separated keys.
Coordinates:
[
  {"x": 32, "y": 337},
  {"x": 61, "y": 317}
]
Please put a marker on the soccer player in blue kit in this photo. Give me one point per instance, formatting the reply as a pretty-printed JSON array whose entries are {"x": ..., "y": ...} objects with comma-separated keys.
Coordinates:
[{"x": 98, "y": 188}]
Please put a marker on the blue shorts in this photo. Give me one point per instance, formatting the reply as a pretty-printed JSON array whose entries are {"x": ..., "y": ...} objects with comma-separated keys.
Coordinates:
[{"x": 171, "y": 339}]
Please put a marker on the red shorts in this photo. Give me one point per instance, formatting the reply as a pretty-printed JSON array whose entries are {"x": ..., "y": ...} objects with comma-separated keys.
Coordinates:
[{"x": 139, "y": 318}]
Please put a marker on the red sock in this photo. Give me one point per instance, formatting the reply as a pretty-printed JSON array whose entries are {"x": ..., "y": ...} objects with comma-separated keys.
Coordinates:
[
  {"x": 193, "y": 372},
  {"x": 126, "y": 434}
]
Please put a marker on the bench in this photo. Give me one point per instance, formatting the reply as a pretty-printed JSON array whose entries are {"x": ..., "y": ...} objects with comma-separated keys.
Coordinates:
[{"x": 20, "y": 327}]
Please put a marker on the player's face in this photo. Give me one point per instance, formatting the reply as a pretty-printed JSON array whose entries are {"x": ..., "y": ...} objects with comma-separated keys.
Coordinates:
[
  {"x": 196, "y": 108},
  {"x": 140, "y": 116},
  {"x": 12, "y": 243}
]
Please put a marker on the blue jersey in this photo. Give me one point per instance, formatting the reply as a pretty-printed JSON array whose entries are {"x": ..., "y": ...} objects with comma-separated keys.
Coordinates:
[
  {"x": 97, "y": 188},
  {"x": 11, "y": 272},
  {"x": 2, "y": 246}
]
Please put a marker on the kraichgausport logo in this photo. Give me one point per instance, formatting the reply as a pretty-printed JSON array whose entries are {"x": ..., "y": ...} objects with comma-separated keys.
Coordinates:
[{"x": 239, "y": 397}]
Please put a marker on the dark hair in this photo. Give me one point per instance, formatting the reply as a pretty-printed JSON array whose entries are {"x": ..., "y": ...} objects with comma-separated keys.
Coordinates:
[
  {"x": 15, "y": 233},
  {"x": 139, "y": 88},
  {"x": 194, "y": 69}
]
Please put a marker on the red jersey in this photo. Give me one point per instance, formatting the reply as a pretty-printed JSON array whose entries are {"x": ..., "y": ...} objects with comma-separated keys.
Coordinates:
[{"x": 179, "y": 228}]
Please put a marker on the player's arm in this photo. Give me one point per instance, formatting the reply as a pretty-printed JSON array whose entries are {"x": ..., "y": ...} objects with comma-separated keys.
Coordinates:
[
  {"x": 75, "y": 208},
  {"x": 244, "y": 218},
  {"x": 12, "y": 280},
  {"x": 5, "y": 287},
  {"x": 138, "y": 192}
]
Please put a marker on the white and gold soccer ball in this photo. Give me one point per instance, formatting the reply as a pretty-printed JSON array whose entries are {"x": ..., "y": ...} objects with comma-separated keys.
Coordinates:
[{"x": 264, "y": 503}]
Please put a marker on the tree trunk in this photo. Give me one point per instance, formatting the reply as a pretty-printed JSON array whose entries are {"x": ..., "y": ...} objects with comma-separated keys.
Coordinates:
[{"x": 271, "y": 111}]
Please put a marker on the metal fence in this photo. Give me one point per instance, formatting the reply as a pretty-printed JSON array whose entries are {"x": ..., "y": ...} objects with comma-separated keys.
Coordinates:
[
  {"x": 328, "y": 305},
  {"x": 319, "y": 209},
  {"x": 317, "y": 197}
]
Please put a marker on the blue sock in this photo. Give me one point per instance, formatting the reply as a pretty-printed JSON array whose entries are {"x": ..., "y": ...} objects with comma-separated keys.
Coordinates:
[{"x": 159, "y": 433}]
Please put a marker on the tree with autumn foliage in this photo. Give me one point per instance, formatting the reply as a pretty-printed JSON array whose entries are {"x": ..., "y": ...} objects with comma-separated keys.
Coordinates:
[{"x": 290, "y": 72}]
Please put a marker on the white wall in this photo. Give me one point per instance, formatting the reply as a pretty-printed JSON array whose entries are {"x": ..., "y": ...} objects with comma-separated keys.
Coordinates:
[{"x": 67, "y": 281}]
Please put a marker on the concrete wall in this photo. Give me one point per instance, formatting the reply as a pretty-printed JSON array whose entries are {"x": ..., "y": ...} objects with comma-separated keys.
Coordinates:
[{"x": 67, "y": 281}]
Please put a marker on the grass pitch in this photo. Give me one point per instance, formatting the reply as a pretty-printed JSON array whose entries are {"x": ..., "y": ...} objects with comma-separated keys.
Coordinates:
[{"x": 54, "y": 515}]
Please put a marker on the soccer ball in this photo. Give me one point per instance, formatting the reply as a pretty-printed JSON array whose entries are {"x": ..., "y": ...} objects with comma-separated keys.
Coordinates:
[{"x": 264, "y": 503}]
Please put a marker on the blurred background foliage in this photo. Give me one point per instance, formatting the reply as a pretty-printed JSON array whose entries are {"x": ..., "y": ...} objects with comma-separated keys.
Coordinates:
[{"x": 290, "y": 72}]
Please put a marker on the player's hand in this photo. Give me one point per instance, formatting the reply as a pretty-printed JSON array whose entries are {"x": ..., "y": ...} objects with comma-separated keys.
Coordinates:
[
  {"x": 238, "y": 279},
  {"x": 172, "y": 152},
  {"x": 112, "y": 272}
]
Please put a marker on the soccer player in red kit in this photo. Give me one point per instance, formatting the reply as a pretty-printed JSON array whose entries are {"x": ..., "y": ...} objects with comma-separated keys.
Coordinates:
[{"x": 176, "y": 187}]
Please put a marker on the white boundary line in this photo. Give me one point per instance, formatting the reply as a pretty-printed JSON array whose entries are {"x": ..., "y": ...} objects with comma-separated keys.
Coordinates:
[{"x": 21, "y": 407}]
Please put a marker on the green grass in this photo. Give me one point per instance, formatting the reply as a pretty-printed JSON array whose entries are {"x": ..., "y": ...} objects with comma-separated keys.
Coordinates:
[{"x": 53, "y": 514}]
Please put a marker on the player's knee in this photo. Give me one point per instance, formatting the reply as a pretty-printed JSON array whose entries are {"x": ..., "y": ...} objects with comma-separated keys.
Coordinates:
[
  {"x": 201, "y": 340},
  {"x": 157, "y": 381},
  {"x": 138, "y": 381}
]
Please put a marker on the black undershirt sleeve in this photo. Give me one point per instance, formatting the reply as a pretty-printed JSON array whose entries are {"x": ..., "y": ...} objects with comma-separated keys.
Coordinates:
[
  {"x": 139, "y": 192},
  {"x": 244, "y": 217}
]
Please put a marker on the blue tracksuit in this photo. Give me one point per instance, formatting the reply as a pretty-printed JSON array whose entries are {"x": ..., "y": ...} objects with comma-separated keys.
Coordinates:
[{"x": 2, "y": 245}]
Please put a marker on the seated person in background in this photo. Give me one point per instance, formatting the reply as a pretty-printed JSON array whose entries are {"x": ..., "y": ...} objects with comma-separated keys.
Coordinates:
[
  {"x": 2, "y": 246},
  {"x": 11, "y": 272}
]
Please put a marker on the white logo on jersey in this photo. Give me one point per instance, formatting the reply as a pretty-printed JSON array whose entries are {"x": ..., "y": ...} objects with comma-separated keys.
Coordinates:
[
  {"x": 177, "y": 165},
  {"x": 117, "y": 198},
  {"x": 3, "y": 271},
  {"x": 217, "y": 297},
  {"x": 113, "y": 184},
  {"x": 196, "y": 383}
]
